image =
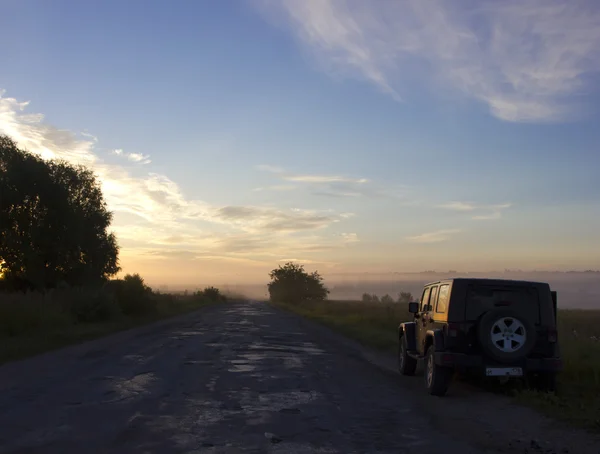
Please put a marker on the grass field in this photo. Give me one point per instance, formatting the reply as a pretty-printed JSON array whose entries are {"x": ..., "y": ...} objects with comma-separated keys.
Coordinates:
[
  {"x": 34, "y": 323},
  {"x": 578, "y": 399}
]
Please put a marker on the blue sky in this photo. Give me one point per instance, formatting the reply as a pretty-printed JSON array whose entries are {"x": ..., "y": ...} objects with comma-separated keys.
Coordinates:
[{"x": 351, "y": 136}]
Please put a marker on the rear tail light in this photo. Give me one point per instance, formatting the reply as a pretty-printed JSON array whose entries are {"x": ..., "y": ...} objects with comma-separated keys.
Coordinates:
[
  {"x": 552, "y": 336},
  {"x": 453, "y": 329}
]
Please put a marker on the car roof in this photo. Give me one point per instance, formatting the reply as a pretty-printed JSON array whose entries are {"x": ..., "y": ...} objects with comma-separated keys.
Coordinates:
[{"x": 487, "y": 281}]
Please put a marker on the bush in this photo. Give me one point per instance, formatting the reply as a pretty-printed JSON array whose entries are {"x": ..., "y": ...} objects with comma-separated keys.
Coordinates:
[
  {"x": 210, "y": 294},
  {"x": 133, "y": 295},
  {"x": 89, "y": 305}
]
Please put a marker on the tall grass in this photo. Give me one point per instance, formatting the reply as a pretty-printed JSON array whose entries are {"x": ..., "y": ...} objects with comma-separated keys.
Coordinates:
[
  {"x": 578, "y": 399},
  {"x": 373, "y": 324},
  {"x": 36, "y": 322}
]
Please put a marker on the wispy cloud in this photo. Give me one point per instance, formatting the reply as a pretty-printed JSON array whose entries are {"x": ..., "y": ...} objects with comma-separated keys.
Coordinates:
[
  {"x": 335, "y": 185},
  {"x": 276, "y": 187},
  {"x": 265, "y": 219},
  {"x": 349, "y": 237},
  {"x": 324, "y": 179},
  {"x": 284, "y": 175},
  {"x": 87, "y": 135},
  {"x": 524, "y": 60},
  {"x": 488, "y": 217},
  {"x": 153, "y": 214},
  {"x": 459, "y": 206},
  {"x": 269, "y": 168},
  {"x": 133, "y": 157},
  {"x": 485, "y": 212},
  {"x": 433, "y": 237}
]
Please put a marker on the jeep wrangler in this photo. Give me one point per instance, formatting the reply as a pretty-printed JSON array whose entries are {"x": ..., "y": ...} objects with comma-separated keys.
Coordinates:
[{"x": 491, "y": 327}]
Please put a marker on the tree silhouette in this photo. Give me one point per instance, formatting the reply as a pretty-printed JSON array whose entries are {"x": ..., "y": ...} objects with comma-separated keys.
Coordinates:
[
  {"x": 387, "y": 299},
  {"x": 405, "y": 297},
  {"x": 53, "y": 223},
  {"x": 291, "y": 284}
]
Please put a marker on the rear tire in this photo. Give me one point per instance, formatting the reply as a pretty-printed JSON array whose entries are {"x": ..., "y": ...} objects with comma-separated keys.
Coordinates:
[
  {"x": 437, "y": 378},
  {"x": 407, "y": 365}
]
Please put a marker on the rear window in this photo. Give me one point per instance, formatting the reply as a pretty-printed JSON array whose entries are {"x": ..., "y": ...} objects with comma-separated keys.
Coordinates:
[
  {"x": 523, "y": 300},
  {"x": 443, "y": 299}
]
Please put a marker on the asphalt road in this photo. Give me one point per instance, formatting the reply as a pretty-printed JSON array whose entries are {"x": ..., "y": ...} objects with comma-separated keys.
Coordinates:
[{"x": 233, "y": 378}]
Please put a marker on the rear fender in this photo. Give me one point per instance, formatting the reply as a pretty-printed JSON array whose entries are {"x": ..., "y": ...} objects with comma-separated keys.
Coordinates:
[
  {"x": 408, "y": 330},
  {"x": 435, "y": 337}
]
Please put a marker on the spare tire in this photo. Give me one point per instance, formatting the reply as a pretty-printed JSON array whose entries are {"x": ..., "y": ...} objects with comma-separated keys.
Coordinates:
[{"x": 505, "y": 335}]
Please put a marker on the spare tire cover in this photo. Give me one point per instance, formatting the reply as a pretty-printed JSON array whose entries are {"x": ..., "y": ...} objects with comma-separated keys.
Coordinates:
[{"x": 505, "y": 335}]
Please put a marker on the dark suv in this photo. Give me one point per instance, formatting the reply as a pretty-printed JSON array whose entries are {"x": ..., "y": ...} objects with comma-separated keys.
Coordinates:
[{"x": 498, "y": 328}]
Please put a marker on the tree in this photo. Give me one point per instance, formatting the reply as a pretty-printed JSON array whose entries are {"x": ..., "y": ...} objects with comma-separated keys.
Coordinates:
[
  {"x": 367, "y": 298},
  {"x": 405, "y": 297},
  {"x": 53, "y": 223},
  {"x": 290, "y": 283},
  {"x": 387, "y": 299}
]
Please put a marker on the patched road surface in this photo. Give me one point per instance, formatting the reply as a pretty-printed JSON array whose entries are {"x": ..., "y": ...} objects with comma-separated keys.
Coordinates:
[{"x": 234, "y": 378}]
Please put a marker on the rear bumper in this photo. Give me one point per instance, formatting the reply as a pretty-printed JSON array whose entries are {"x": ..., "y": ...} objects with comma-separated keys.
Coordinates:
[{"x": 476, "y": 361}]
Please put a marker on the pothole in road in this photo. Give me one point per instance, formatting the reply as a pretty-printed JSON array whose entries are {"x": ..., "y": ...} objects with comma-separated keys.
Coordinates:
[
  {"x": 284, "y": 402},
  {"x": 249, "y": 362},
  {"x": 212, "y": 384},
  {"x": 247, "y": 312},
  {"x": 242, "y": 367},
  {"x": 216, "y": 345},
  {"x": 244, "y": 321},
  {"x": 184, "y": 334},
  {"x": 305, "y": 347},
  {"x": 292, "y": 362},
  {"x": 139, "y": 384},
  {"x": 190, "y": 362},
  {"x": 139, "y": 359}
]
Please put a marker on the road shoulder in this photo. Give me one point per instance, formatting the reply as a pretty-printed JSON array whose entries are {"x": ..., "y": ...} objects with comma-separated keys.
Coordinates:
[{"x": 492, "y": 422}]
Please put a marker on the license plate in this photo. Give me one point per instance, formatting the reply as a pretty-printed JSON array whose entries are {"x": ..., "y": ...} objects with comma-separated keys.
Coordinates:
[{"x": 504, "y": 372}]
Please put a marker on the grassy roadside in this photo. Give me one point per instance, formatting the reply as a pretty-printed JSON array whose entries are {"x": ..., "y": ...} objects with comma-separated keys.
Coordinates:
[
  {"x": 30, "y": 324},
  {"x": 578, "y": 400}
]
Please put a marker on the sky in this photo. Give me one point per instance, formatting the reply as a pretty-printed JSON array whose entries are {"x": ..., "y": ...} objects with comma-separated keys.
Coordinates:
[{"x": 349, "y": 136}]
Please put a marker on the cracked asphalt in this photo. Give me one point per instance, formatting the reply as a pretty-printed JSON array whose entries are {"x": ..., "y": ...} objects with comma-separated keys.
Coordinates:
[{"x": 244, "y": 377}]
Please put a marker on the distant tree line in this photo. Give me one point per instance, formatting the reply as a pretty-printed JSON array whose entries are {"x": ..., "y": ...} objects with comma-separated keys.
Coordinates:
[{"x": 403, "y": 297}]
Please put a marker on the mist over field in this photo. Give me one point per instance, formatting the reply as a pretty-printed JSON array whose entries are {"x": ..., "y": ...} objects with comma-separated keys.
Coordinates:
[{"x": 576, "y": 290}]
